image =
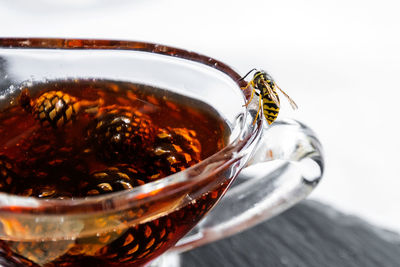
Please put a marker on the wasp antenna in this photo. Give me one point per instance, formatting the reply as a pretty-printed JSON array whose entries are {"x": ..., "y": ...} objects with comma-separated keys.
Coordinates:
[{"x": 247, "y": 74}]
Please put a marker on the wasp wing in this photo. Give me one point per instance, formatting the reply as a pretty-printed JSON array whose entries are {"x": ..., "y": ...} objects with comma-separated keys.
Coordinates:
[
  {"x": 292, "y": 103},
  {"x": 271, "y": 93}
]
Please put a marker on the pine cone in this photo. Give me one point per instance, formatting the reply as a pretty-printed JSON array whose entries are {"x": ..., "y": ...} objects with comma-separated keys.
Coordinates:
[
  {"x": 140, "y": 241},
  {"x": 174, "y": 150},
  {"x": 55, "y": 108},
  {"x": 120, "y": 177},
  {"x": 120, "y": 135}
]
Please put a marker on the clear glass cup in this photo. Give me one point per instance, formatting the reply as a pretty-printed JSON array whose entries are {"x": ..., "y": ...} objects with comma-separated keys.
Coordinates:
[{"x": 276, "y": 166}]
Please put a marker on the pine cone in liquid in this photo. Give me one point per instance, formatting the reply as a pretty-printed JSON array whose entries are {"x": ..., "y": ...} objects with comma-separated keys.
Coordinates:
[
  {"x": 175, "y": 149},
  {"x": 130, "y": 246},
  {"x": 8, "y": 178},
  {"x": 140, "y": 241},
  {"x": 120, "y": 135},
  {"x": 55, "y": 108},
  {"x": 120, "y": 177},
  {"x": 49, "y": 167}
]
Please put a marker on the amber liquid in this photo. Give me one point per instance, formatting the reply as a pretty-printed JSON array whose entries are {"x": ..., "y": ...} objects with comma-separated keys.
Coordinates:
[{"x": 80, "y": 138}]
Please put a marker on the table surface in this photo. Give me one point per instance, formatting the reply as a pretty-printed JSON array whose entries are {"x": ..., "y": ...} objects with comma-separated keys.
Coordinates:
[{"x": 308, "y": 235}]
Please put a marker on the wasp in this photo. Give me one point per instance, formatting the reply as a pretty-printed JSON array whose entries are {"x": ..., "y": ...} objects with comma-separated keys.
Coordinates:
[{"x": 264, "y": 86}]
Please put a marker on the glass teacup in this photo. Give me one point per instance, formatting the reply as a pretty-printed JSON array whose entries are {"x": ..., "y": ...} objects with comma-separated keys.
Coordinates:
[{"x": 277, "y": 165}]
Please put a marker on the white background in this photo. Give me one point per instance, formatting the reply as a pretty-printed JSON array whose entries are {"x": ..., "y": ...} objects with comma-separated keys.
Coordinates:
[{"x": 338, "y": 59}]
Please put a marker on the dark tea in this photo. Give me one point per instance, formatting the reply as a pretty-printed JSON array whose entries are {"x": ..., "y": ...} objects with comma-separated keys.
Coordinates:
[{"x": 69, "y": 139}]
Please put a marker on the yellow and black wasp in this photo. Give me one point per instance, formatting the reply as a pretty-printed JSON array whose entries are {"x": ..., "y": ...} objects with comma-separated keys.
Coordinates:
[{"x": 265, "y": 87}]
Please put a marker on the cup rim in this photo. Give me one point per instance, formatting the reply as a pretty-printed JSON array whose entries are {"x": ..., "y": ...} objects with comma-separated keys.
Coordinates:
[{"x": 185, "y": 178}]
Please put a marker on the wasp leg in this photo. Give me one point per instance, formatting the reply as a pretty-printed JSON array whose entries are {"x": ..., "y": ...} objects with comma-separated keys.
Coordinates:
[
  {"x": 247, "y": 86},
  {"x": 252, "y": 93},
  {"x": 251, "y": 97},
  {"x": 259, "y": 108}
]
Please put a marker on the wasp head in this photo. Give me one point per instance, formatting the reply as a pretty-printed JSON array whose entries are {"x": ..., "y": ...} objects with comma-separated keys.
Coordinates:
[{"x": 262, "y": 76}]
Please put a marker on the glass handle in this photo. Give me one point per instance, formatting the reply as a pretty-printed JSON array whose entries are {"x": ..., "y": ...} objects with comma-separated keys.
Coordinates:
[{"x": 286, "y": 166}]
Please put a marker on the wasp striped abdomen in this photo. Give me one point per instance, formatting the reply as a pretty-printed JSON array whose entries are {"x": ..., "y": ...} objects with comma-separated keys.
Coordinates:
[{"x": 270, "y": 108}]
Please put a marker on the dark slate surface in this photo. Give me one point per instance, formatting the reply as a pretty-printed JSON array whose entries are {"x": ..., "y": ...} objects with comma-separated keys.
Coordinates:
[{"x": 308, "y": 235}]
